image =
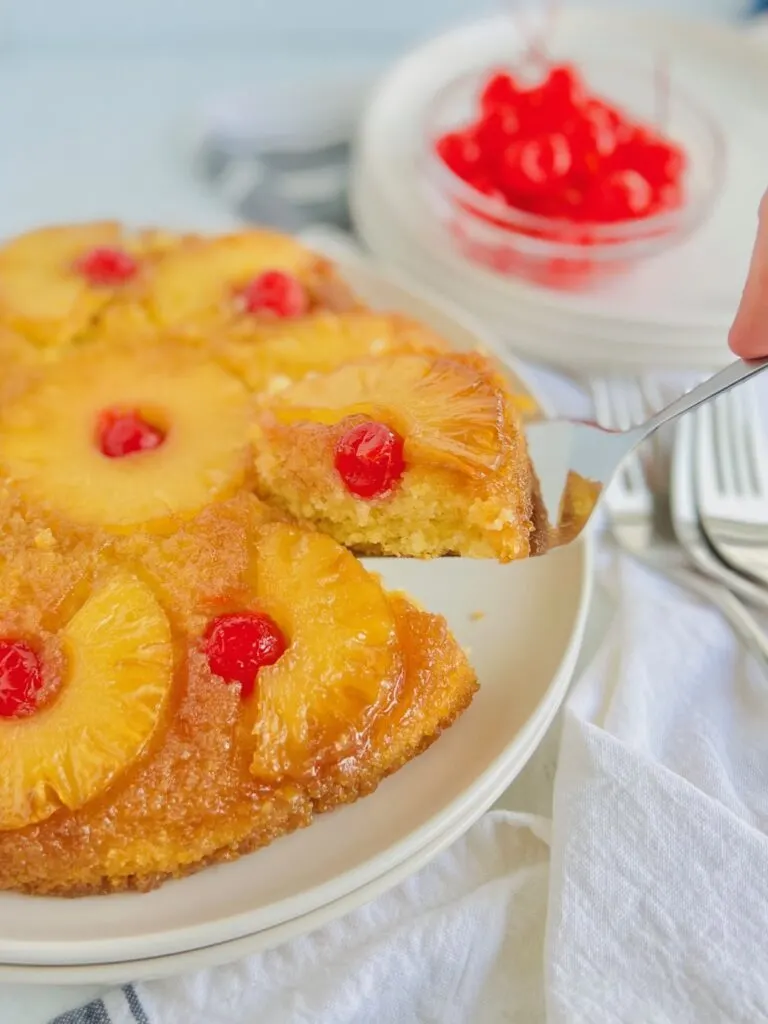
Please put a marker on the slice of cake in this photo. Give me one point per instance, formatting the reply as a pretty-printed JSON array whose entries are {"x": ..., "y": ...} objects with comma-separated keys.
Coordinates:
[{"x": 418, "y": 454}]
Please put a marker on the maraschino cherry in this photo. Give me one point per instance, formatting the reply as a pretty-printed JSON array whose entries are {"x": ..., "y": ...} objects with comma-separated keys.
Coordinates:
[
  {"x": 20, "y": 679},
  {"x": 122, "y": 432},
  {"x": 552, "y": 148},
  {"x": 107, "y": 266},
  {"x": 277, "y": 293},
  {"x": 239, "y": 644},
  {"x": 369, "y": 459}
]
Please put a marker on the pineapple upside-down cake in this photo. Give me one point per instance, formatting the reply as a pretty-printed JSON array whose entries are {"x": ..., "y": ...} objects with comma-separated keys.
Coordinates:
[{"x": 196, "y": 437}]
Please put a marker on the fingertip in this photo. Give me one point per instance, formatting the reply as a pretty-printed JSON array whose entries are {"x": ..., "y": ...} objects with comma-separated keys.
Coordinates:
[{"x": 748, "y": 336}]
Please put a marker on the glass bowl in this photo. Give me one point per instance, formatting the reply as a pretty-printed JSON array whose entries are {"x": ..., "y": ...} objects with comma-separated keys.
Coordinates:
[{"x": 565, "y": 254}]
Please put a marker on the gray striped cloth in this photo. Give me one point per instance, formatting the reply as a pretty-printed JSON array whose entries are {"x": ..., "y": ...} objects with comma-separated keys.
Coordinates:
[{"x": 122, "y": 1006}]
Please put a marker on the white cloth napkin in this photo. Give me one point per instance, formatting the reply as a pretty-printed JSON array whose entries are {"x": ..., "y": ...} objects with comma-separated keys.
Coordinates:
[
  {"x": 659, "y": 869},
  {"x": 644, "y": 900}
]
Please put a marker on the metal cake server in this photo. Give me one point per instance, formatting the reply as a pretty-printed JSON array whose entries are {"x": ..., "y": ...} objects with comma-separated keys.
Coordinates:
[{"x": 575, "y": 461}]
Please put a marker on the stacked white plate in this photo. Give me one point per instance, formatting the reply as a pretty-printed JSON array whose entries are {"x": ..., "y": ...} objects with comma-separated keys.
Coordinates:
[
  {"x": 523, "y": 625},
  {"x": 671, "y": 310}
]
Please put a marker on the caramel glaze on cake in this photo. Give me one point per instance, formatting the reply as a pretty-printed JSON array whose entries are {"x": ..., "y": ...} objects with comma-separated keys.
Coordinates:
[
  {"x": 175, "y": 417},
  {"x": 193, "y": 795}
]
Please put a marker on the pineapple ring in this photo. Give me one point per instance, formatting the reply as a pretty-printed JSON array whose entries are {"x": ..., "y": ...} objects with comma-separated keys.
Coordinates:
[
  {"x": 343, "y": 666},
  {"x": 119, "y": 655},
  {"x": 449, "y": 408},
  {"x": 19, "y": 359},
  {"x": 268, "y": 356},
  {"x": 48, "y": 447},
  {"x": 41, "y": 294},
  {"x": 193, "y": 287}
]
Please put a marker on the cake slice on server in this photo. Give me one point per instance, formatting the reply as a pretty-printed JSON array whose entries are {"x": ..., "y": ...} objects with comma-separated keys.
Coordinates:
[{"x": 418, "y": 455}]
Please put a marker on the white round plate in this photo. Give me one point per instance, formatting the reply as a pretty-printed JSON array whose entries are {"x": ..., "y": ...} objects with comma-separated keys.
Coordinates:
[
  {"x": 524, "y": 649},
  {"x": 692, "y": 288},
  {"x": 546, "y": 335},
  {"x": 147, "y": 968}
]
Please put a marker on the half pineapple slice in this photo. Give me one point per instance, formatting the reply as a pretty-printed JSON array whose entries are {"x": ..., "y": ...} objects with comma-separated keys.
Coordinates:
[
  {"x": 419, "y": 455},
  {"x": 343, "y": 665},
  {"x": 200, "y": 286},
  {"x": 127, "y": 438},
  {"x": 269, "y": 355},
  {"x": 118, "y": 675},
  {"x": 54, "y": 282}
]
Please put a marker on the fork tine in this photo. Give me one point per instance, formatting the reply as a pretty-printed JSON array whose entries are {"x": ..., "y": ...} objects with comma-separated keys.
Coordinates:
[
  {"x": 724, "y": 447},
  {"x": 732, "y": 422},
  {"x": 620, "y": 398},
  {"x": 752, "y": 434},
  {"x": 636, "y": 411},
  {"x": 708, "y": 479},
  {"x": 618, "y": 405},
  {"x": 601, "y": 400},
  {"x": 653, "y": 393},
  {"x": 682, "y": 484}
]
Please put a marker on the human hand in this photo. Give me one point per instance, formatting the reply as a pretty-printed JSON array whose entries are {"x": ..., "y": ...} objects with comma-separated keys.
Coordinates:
[{"x": 749, "y": 334}]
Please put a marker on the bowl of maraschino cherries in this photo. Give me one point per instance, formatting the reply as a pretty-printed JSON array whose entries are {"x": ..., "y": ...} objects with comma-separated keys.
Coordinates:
[{"x": 565, "y": 173}]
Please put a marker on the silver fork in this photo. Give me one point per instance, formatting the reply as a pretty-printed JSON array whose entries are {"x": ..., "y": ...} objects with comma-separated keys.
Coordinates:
[
  {"x": 574, "y": 461},
  {"x": 641, "y": 524},
  {"x": 684, "y": 510},
  {"x": 732, "y": 482}
]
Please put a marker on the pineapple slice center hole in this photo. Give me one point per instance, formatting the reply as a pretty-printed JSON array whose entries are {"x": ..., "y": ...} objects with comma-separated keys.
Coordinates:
[
  {"x": 21, "y": 678},
  {"x": 123, "y": 430},
  {"x": 106, "y": 266},
  {"x": 273, "y": 293},
  {"x": 238, "y": 644},
  {"x": 32, "y": 671},
  {"x": 369, "y": 459}
]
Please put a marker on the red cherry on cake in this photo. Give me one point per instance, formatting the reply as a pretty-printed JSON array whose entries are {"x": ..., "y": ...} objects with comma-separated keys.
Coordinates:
[
  {"x": 107, "y": 266},
  {"x": 369, "y": 459},
  {"x": 277, "y": 293},
  {"x": 20, "y": 679},
  {"x": 239, "y": 644},
  {"x": 121, "y": 432}
]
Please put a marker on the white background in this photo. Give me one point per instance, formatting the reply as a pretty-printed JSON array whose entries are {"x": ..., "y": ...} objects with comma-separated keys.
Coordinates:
[{"x": 263, "y": 25}]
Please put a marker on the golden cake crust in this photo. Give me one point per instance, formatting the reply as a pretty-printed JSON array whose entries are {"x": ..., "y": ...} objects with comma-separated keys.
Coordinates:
[{"x": 192, "y": 798}]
